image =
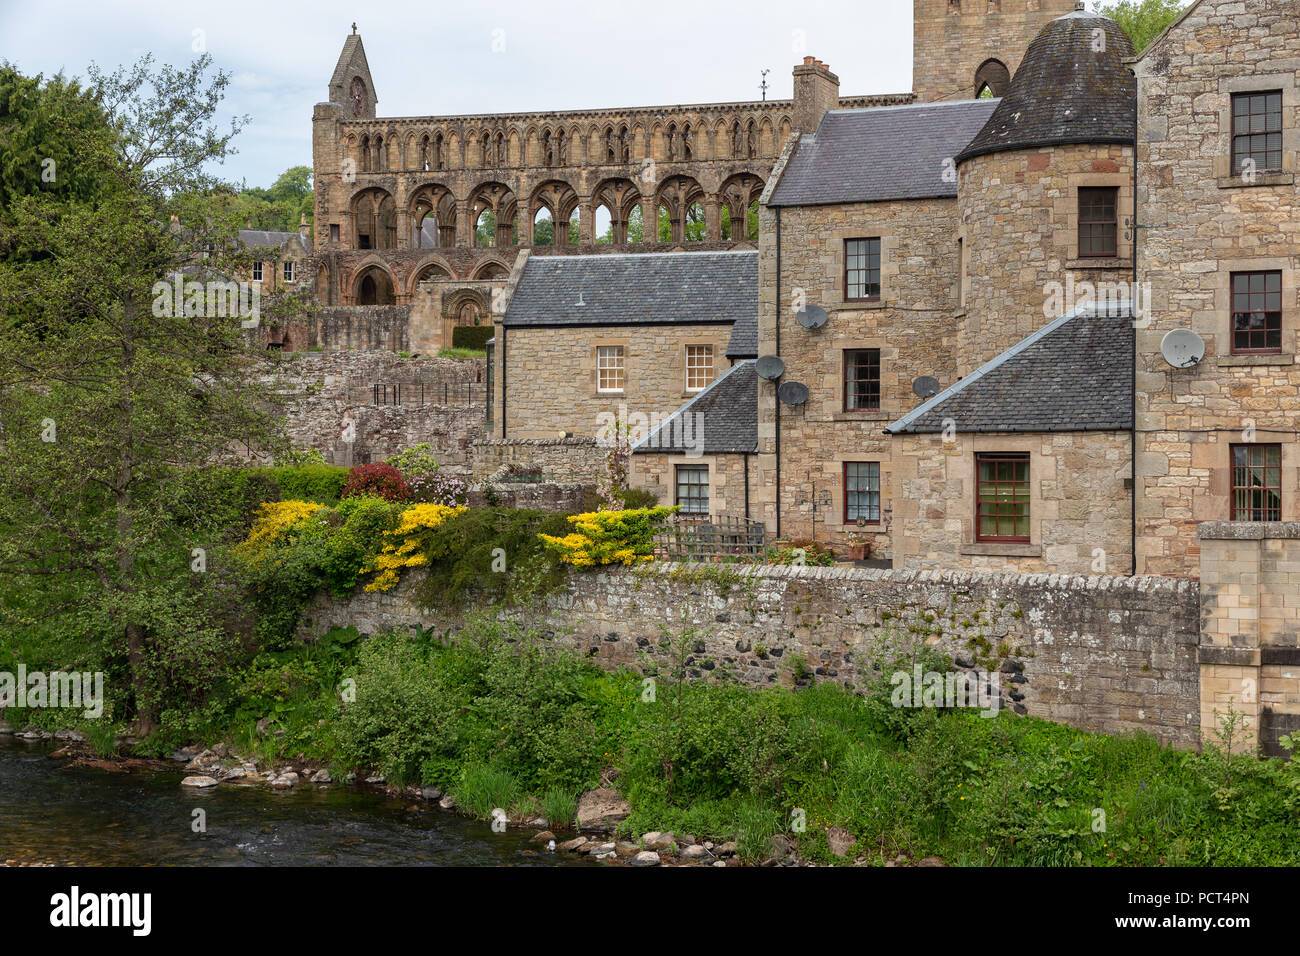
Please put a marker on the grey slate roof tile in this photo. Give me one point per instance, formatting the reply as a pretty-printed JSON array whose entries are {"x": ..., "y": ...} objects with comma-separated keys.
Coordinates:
[
  {"x": 1074, "y": 374},
  {"x": 881, "y": 153},
  {"x": 729, "y": 416},
  {"x": 1064, "y": 91},
  {"x": 636, "y": 289},
  {"x": 256, "y": 238},
  {"x": 744, "y": 337}
]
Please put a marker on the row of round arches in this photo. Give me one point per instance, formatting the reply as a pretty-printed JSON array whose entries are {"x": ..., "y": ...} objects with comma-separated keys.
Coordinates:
[{"x": 617, "y": 212}]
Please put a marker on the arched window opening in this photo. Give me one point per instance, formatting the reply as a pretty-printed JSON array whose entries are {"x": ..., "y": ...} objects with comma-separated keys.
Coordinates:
[
  {"x": 635, "y": 226},
  {"x": 424, "y": 153},
  {"x": 603, "y": 231},
  {"x": 693, "y": 230},
  {"x": 574, "y": 233},
  {"x": 991, "y": 79},
  {"x": 543, "y": 228},
  {"x": 364, "y": 158},
  {"x": 665, "y": 230},
  {"x": 485, "y": 230}
]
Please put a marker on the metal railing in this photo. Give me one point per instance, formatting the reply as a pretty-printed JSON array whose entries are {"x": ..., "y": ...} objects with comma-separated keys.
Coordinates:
[
  {"x": 419, "y": 394},
  {"x": 710, "y": 538}
]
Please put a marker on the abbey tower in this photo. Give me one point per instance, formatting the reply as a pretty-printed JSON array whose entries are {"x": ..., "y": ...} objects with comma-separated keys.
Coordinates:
[{"x": 961, "y": 46}]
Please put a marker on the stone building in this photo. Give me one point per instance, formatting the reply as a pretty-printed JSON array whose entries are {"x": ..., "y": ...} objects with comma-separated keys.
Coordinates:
[
  {"x": 1219, "y": 97},
  {"x": 701, "y": 458},
  {"x": 401, "y": 200},
  {"x": 963, "y": 49},
  {"x": 588, "y": 343}
]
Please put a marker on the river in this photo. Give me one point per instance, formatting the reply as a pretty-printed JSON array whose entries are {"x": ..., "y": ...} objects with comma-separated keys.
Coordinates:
[{"x": 51, "y": 812}]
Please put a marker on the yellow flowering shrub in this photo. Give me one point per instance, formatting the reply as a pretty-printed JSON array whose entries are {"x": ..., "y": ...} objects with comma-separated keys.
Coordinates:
[
  {"x": 402, "y": 547},
  {"x": 608, "y": 537},
  {"x": 274, "y": 521}
]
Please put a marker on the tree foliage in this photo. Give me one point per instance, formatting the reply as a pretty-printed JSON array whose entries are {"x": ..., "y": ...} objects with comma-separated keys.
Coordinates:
[
  {"x": 108, "y": 396},
  {"x": 1142, "y": 20}
]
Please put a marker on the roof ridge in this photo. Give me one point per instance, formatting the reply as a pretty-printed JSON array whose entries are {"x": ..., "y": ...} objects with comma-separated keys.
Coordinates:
[{"x": 587, "y": 256}]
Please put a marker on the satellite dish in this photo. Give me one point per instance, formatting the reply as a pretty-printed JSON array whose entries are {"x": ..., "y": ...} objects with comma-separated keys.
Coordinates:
[
  {"x": 793, "y": 393},
  {"x": 925, "y": 386},
  {"x": 769, "y": 367},
  {"x": 1182, "y": 348},
  {"x": 811, "y": 316}
]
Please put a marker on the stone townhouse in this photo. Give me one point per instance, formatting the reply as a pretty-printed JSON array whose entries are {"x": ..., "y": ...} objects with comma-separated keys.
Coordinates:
[
  {"x": 1219, "y": 97},
  {"x": 918, "y": 247},
  {"x": 591, "y": 343}
]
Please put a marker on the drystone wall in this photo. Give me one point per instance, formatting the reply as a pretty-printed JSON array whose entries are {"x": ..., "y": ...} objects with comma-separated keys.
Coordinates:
[{"x": 1103, "y": 653}]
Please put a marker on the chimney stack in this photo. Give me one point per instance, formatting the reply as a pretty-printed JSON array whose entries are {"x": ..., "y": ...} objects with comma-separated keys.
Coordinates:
[
  {"x": 816, "y": 90},
  {"x": 304, "y": 231}
]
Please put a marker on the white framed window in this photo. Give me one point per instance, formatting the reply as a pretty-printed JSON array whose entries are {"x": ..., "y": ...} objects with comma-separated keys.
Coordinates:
[
  {"x": 609, "y": 368},
  {"x": 257, "y": 270},
  {"x": 288, "y": 270},
  {"x": 699, "y": 367}
]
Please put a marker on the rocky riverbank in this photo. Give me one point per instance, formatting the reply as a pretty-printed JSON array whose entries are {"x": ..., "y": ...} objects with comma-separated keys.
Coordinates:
[{"x": 599, "y": 811}]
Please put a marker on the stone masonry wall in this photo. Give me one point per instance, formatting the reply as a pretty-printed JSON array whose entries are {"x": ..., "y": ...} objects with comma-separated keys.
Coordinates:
[
  {"x": 1078, "y": 504},
  {"x": 1020, "y": 229},
  {"x": 550, "y": 375},
  {"x": 329, "y": 396},
  {"x": 1209, "y": 224},
  {"x": 951, "y": 39},
  {"x": 912, "y": 325},
  {"x": 1106, "y": 654},
  {"x": 1250, "y": 625},
  {"x": 563, "y": 459}
]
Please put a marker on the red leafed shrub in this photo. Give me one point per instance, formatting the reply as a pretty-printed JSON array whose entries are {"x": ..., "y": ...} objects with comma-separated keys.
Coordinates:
[{"x": 376, "y": 481}]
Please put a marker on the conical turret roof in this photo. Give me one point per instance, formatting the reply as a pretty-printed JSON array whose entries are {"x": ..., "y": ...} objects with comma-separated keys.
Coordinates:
[{"x": 1071, "y": 87}]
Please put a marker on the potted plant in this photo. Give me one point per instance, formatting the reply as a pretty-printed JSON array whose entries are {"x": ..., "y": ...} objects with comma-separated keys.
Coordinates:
[{"x": 859, "y": 543}]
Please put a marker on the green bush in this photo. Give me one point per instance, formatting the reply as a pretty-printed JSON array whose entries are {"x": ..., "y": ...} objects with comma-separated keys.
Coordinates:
[
  {"x": 471, "y": 337},
  {"x": 464, "y": 558},
  {"x": 322, "y": 484}
]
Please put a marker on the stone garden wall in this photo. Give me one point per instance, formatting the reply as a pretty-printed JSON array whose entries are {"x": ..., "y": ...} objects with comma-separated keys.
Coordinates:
[{"x": 1103, "y": 653}]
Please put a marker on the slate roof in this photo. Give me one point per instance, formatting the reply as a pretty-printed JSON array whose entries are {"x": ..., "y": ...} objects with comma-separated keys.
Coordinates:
[
  {"x": 880, "y": 153},
  {"x": 259, "y": 237},
  {"x": 1065, "y": 91},
  {"x": 729, "y": 416},
  {"x": 743, "y": 343},
  {"x": 636, "y": 289},
  {"x": 1074, "y": 374}
]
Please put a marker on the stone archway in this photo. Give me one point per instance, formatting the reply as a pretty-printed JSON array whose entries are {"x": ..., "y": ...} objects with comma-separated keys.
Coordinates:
[
  {"x": 993, "y": 77},
  {"x": 373, "y": 286}
]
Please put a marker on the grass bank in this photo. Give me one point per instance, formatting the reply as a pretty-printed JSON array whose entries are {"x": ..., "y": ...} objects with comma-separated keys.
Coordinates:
[{"x": 504, "y": 718}]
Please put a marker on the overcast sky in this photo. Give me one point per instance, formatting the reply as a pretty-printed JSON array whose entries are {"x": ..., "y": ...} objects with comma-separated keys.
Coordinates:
[{"x": 438, "y": 57}]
